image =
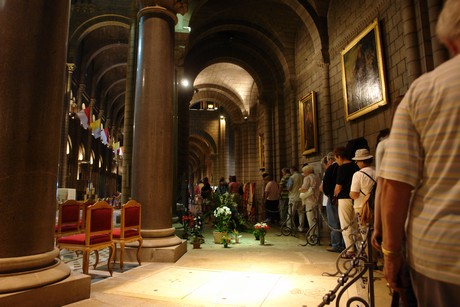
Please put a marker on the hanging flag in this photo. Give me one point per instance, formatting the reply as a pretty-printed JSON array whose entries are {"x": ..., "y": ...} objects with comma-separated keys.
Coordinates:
[
  {"x": 105, "y": 136},
  {"x": 83, "y": 115},
  {"x": 96, "y": 128},
  {"x": 96, "y": 125}
]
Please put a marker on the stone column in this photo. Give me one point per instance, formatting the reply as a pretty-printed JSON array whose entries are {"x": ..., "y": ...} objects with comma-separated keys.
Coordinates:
[
  {"x": 32, "y": 83},
  {"x": 63, "y": 168},
  {"x": 129, "y": 108},
  {"x": 326, "y": 102},
  {"x": 440, "y": 53},
  {"x": 152, "y": 157},
  {"x": 410, "y": 40}
]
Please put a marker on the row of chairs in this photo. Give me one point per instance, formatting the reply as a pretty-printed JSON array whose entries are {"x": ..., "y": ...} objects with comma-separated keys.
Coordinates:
[{"x": 88, "y": 227}]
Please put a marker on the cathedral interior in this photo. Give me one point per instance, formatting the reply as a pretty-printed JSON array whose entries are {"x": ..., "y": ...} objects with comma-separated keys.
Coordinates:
[{"x": 143, "y": 98}]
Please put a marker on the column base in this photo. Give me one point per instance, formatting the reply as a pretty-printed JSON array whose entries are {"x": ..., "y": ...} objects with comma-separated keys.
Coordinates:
[
  {"x": 74, "y": 288},
  {"x": 151, "y": 251}
]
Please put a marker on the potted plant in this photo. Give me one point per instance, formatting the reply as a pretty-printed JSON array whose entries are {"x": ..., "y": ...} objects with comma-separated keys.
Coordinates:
[
  {"x": 222, "y": 216},
  {"x": 236, "y": 236},
  {"x": 225, "y": 240},
  {"x": 193, "y": 227},
  {"x": 197, "y": 240},
  {"x": 260, "y": 230}
]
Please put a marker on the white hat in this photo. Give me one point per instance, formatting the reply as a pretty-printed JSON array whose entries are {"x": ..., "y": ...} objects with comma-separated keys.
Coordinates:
[
  {"x": 362, "y": 154},
  {"x": 308, "y": 168}
]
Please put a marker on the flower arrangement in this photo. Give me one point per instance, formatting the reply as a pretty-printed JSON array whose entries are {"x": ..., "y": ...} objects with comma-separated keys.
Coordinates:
[
  {"x": 193, "y": 226},
  {"x": 222, "y": 216},
  {"x": 224, "y": 200},
  {"x": 225, "y": 240},
  {"x": 260, "y": 229}
]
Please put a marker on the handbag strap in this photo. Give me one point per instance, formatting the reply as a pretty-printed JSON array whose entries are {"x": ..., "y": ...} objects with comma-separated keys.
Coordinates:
[{"x": 370, "y": 178}]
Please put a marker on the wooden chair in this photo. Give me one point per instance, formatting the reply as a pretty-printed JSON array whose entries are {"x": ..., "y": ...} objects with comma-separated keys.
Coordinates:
[
  {"x": 130, "y": 229},
  {"x": 83, "y": 206},
  {"x": 68, "y": 219},
  {"x": 97, "y": 235}
]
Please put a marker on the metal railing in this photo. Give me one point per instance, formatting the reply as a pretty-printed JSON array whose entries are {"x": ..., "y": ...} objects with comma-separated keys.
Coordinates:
[{"x": 353, "y": 270}]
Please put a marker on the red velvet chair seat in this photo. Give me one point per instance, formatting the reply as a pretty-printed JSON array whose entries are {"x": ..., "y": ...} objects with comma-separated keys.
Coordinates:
[
  {"x": 80, "y": 239},
  {"x": 66, "y": 228},
  {"x": 128, "y": 233}
]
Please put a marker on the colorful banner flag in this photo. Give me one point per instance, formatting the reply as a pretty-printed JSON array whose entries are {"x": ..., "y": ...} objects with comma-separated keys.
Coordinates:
[
  {"x": 96, "y": 128},
  {"x": 105, "y": 136},
  {"x": 83, "y": 115}
]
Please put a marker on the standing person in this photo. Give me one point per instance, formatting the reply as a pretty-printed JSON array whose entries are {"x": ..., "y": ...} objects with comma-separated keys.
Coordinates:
[
  {"x": 284, "y": 194},
  {"x": 310, "y": 181},
  {"x": 342, "y": 192},
  {"x": 234, "y": 188},
  {"x": 206, "y": 195},
  {"x": 421, "y": 159},
  {"x": 293, "y": 185},
  {"x": 364, "y": 180},
  {"x": 223, "y": 186},
  {"x": 332, "y": 208},
  {"x": 271, "y": 199}
]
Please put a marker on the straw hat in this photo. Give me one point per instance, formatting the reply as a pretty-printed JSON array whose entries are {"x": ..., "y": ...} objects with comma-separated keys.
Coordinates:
[{"x": 362, "y": 154}]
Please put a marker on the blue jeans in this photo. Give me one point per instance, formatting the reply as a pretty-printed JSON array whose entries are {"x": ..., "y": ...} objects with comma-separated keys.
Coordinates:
[{"x": 332, "y": 212}]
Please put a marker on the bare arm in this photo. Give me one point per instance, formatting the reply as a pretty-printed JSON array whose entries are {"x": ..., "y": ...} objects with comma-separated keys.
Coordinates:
[
  {"x": 354, "y": 195},
  {"x": 377, "y": 234},
  {"x": 337, "y": 189},
  {"x": 395, "y": 204}
]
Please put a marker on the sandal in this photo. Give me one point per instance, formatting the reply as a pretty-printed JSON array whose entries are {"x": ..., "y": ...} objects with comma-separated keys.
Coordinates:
[{"x": 347, "y": 255}]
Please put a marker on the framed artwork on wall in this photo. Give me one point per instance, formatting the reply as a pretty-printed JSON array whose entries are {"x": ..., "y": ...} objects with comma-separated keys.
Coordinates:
[
  {"x": 363, "y": 79},
  {"x": 308, "y": 124}
]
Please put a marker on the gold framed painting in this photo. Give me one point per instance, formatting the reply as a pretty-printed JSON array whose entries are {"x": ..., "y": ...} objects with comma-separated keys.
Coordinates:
[
  {"x": 308, "y": 124},
  {"x": 363, "y": 78}
]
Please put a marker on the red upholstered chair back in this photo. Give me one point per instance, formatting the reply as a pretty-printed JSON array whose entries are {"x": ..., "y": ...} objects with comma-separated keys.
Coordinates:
[
  {"x": 99, "y": 220},
  {"x": 68, "y": 218},
  {"x": 130, "y": 217},
  {"x": 70, "y": 212},
  {"x": 84, "y": 206}
]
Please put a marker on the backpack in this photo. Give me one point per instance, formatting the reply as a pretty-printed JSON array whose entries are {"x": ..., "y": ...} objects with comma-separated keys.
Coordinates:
[{"x": 367, "y": 209}]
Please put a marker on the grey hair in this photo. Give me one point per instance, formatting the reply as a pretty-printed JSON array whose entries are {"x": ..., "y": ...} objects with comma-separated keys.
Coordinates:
[{"x": 448, "y": 26}]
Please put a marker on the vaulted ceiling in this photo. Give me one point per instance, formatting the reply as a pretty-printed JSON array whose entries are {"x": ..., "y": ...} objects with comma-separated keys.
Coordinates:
[{"x": 232, "y": 51}]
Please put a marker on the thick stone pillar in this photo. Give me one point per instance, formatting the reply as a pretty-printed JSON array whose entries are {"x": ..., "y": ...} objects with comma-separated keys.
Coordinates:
[
  {"x": 129, "y": 108},
  {"x": 32, "y": 88},
  {"x": 326, "y": 103},
  {"x": 411, "y": 40},
  {"x": 440, "y": 53},
  {"x": 152, "y": 157},
  {"x": 63, "y": 165}
]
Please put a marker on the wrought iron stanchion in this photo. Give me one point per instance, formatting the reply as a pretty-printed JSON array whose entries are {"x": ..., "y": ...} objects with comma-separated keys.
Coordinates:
[
  {"x": 312, "y": 236},
  {"x": 344, "y": 282},
  {"x": 287, "y": 228}
]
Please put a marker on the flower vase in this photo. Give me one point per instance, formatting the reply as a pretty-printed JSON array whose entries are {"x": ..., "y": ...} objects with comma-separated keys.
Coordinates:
[
  {"x": 218, "y": 236},
  {"x": 262, "y": 240},
  {"x": 225, "y": 245},
  {"x": 256, "y": 236},
  {"x": 196, "y": 244}
]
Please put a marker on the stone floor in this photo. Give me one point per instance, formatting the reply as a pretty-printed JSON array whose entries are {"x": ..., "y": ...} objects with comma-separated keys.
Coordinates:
[{"x": 280, "y": 273}]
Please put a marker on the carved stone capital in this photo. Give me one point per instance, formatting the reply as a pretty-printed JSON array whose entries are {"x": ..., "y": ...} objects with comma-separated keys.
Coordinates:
[{"x": 174, "y": 6}]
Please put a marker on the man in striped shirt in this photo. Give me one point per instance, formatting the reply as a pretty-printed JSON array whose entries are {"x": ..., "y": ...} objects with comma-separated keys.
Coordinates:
[{"x": 422, "y": 161}]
